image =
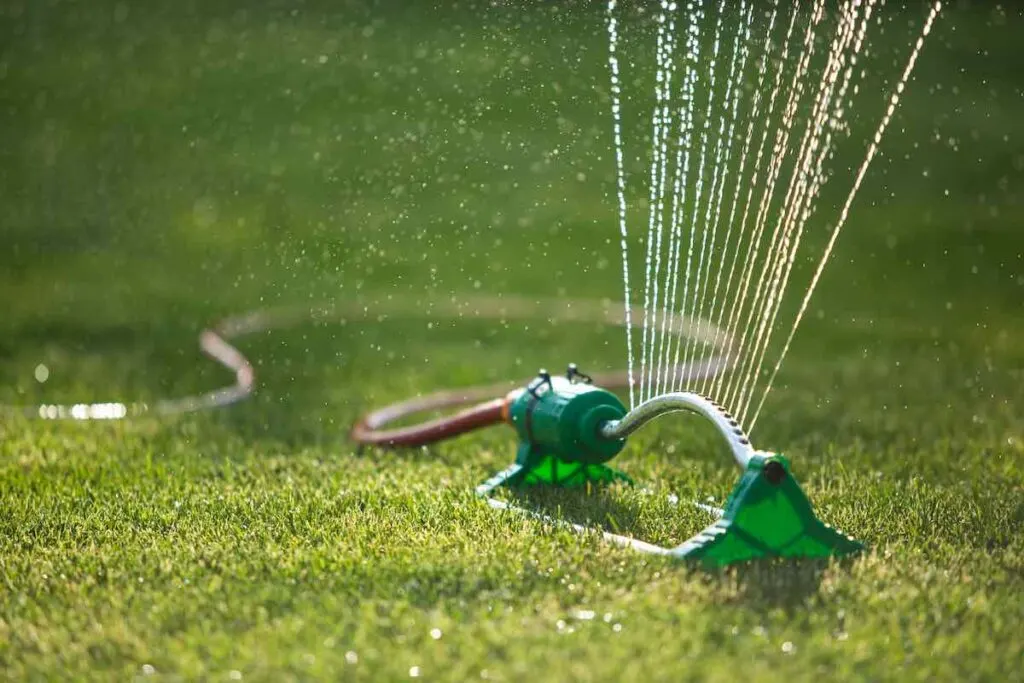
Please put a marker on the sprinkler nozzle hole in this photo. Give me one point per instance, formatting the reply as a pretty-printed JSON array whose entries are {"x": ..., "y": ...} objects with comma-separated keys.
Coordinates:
[{"x": 774, "y": 472}]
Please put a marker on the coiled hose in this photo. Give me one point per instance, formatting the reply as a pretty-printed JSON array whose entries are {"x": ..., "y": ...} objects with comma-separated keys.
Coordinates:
[{"x": 486, "y": 404}]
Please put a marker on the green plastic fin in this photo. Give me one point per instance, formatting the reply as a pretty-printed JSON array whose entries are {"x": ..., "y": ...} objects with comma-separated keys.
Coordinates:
[
  {"x": 767, "y": 515},
  {"x": 532, "y": 469}
]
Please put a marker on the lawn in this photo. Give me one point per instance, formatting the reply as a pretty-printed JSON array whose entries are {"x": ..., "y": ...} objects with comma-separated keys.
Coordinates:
[{"x": 165, "y": 166}]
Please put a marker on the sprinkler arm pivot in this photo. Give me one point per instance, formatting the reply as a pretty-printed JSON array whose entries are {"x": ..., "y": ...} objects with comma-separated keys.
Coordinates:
[{"x": 726, "y": 424}]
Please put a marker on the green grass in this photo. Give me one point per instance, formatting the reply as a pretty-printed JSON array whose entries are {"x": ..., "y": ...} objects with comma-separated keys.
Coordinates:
[{"x": 163, "y": 167}]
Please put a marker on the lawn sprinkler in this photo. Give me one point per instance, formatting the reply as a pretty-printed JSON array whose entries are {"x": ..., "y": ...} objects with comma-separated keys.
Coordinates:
[{"x": 569, "y": 428}]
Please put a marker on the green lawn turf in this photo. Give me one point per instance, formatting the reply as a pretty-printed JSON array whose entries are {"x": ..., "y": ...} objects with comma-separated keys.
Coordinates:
[{"x": 163, "y": 165}]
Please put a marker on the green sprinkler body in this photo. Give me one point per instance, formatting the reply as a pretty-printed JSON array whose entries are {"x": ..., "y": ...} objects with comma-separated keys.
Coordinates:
[{"x": 558, "y": 421}]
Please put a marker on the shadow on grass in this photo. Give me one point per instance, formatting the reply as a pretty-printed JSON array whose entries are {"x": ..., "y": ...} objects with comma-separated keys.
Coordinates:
[
  {"x": 595, "y": 508},
  {"x": 764, "y": 584},
  {"x": 780, "y": 583}
]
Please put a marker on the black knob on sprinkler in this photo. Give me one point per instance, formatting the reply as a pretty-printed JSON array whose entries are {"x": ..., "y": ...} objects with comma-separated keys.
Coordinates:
[
  {"x": 774, "y": 472},
  {"x": 543, "y": 377},
  {"x": 574, "y": 375}
]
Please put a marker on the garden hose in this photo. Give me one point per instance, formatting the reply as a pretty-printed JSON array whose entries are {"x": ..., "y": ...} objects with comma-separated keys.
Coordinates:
[
  {"x": 218, "y": 343},
  {"x": 490, "y": 408}
]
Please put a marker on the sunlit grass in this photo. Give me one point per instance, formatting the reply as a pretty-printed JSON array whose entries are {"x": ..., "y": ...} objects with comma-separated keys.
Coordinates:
[{"x": 162, "y": 169}]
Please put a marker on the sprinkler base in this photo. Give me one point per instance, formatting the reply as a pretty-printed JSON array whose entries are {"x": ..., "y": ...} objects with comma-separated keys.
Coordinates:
[
  {"x": 532, "y": 469},
  {"x": 767, "y": 515}
]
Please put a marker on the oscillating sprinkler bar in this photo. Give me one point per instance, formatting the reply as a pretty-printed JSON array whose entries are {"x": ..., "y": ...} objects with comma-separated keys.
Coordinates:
[{"x": 739, "y": 443}]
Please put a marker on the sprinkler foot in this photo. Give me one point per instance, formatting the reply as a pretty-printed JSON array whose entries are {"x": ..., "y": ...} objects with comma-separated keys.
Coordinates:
[
  {"x": 531, "y": 469},
  {"x": 767, "y": 515}
]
